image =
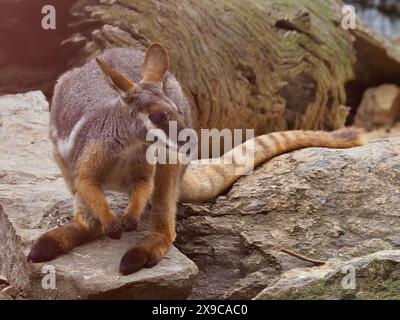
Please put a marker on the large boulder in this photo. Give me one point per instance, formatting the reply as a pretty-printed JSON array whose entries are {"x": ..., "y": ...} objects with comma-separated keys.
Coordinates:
[
  {"x": 380, "y": 107},
  {"x": 375, "y": 276},
  {"x": 327, "y": 204},
  {"x": 316, "y": 202},
  {"x": 377, "y": 62},
  {"x": 34, "y": 199}
]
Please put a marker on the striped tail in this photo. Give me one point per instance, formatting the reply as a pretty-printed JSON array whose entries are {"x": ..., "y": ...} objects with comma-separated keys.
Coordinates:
[{"x": 204, "y": 181}]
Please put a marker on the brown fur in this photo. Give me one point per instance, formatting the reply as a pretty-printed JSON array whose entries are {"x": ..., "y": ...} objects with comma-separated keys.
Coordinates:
[
  {"x": 91, "y": 170},
  {"x": 64, "y": 171},
  {"x": 83, "y": 228},
  {"x": 140, "y": 195},
  {"x": 150, "y": 250}
]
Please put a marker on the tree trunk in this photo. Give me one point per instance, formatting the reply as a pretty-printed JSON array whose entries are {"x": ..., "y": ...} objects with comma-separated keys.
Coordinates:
[{"x": 268, "y": 65}]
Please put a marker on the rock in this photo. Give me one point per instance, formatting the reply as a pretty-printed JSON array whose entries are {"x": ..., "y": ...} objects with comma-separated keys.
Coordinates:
[
  {"x": 249, "y": 286},
  {"x": 3, "y": 280},
  {"x": 363, "y": 248},
  {"x": 377, "y": 62},
  {"x": 11, "y": 291},
  {"x": 327, "y": 204},
  {"x": 321, "y": 203},
  {"x": 4, "y": 296},
  {"x": 380, "y": 107},
  {"x": 33, "y": 199},
  {"x": 375, "y": 276},
  {"x": 384, "y": 132}
]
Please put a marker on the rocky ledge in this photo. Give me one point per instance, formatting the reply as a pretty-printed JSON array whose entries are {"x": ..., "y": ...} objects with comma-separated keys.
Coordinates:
[
  {"x": 33, "y": 199},
  {"x": 339, "y": 206},
  {"x": 375, "y": 276},
  {"x": 321, "y": 203}
]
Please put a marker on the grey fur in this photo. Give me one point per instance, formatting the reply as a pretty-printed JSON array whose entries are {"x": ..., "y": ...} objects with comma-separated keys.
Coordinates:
[{"x": 84, "y": 95}]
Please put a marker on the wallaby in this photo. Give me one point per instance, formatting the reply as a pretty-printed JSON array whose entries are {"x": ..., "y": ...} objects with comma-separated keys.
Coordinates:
[{"x": 100, "y": 116}]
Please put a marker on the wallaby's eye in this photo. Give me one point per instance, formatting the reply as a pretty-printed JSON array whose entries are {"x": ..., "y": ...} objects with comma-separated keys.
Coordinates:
[{"x": 158, "y": 117}]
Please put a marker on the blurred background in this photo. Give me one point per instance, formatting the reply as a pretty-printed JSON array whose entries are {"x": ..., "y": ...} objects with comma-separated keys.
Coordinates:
[{"x": 382, "y": 15}]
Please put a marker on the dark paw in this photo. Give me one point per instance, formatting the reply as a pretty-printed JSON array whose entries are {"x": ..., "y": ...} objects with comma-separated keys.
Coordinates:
[
  {"x": 44, "y": 249},
  {"x": 129, "y": 222},
  {"x": 134, "y": 260},
  {"x": 113, "y": 230}
]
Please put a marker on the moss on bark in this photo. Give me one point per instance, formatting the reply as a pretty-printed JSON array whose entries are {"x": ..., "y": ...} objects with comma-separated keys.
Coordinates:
[{"x": 269, "y": 65}]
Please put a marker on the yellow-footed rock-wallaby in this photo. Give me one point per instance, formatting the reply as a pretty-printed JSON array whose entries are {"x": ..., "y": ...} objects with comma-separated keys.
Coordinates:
[{"x": 100, "y": 116}]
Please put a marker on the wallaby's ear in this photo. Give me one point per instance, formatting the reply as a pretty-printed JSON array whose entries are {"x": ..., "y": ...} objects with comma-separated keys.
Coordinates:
[
  {"x": 155, "y": 63},
  {"x": 116, "y": 79}
]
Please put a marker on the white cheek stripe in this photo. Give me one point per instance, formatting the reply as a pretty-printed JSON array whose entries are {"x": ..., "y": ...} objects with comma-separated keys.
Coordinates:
[
  {"x": 146, "y": 121},
  {"x": 149, "y": 125},
  {"x": 65, "y": 146}
]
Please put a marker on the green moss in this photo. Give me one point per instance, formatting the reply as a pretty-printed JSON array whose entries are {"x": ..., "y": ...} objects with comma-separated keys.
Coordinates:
[{"x": 379, "y": 279}]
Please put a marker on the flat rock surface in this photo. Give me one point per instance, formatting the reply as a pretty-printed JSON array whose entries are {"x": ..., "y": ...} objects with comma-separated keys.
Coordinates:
[{"x": 34, "y": 199}]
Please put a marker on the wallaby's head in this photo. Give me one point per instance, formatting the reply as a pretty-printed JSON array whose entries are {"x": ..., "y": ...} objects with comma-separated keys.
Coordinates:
[{"x": 146, "y": 103}]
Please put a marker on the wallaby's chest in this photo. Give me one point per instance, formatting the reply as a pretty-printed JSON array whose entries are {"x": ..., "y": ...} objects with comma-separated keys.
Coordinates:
[{"x": 126, "y": 168}]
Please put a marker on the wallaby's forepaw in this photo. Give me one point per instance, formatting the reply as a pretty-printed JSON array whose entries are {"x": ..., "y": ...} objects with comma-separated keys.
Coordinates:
[
  {"x": 44, "y": 249},
  {"x": 136, "y": 259},
  {"x": 113, "y": 230},
  {"x": 129, "y": 222}
]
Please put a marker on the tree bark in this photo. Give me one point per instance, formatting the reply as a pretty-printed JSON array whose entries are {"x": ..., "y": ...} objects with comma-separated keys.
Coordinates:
[{"x": 268, "y": 65}]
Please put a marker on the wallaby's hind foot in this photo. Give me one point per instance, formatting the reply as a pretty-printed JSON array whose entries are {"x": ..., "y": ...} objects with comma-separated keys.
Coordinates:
[
  {"x": 146, "y": 255},
  {"x": 45, "y": 248},
  {"x": 133, "y": 260},
  {"x": 61, "y": 240},
  {"x": 58, "y": 241}
]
